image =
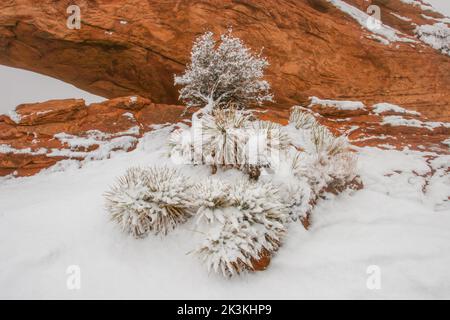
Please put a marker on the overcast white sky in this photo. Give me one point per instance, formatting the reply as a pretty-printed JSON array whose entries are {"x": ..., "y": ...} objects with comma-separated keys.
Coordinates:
[
  {"x": 441, "y": 5},
  {"x": 21, "y": 86}
]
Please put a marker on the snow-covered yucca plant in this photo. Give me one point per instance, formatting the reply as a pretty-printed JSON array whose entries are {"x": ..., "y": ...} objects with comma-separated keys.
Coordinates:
[
  {"x": 302, "y": 119},
  {"x": 274, "y": 133},
  {"x": 297, "y": 197},
  {"x": 212, "y": 195},
  {"x": 250, "y": 227},
  {"x": 266, "y": 140},
  {"x": 325, "y": 143},
  {"x": 224, "y": 136},
  {"x": 261, "y": 204},
  {"x": 327, "y": 162},
  {"x": 181, "y": 147},
  {"x": 127, "y": 202},
  {"x": 223, "y": 73},
  {"x": 151, "y": 200},
  {"x": 230, "y": 249}
]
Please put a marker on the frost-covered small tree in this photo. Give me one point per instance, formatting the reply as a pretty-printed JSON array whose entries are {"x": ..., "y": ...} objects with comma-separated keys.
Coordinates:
[
  {"x": 222, "y": 73},
  {"x": 224, "y": 136},
  {"x": 152, "y": 200}
]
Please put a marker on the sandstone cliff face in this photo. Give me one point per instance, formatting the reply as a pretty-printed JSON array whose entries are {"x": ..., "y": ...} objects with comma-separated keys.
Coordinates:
[{"x": 132, "y": 47}]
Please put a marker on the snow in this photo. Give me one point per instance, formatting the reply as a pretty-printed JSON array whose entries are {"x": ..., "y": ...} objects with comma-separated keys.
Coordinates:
[
  {"x": 378, "y": 38},
  {"x": 338, "y": 104},
  {"x": 33, "y": 88},
  {"x": 444, "y": 20},
  {"x": 129, "y": 115},
  {"x": 104, "y": 150},
  {"x": 384, "y": 107},
  {"x": 223, "y": 72},
  {"x": 437, "y": 36},
  {"x": 14, "y": 116},
  {"x": 400, "y": 121},
  {"x": 57, "y": 219},
  {"x": 4, "y": 148},
  {"x": 447, "y": 141},
  {"x": 431, "y": 5},
  {"x": 400, "y": 17},
  {"x": 388, "y": 33}
]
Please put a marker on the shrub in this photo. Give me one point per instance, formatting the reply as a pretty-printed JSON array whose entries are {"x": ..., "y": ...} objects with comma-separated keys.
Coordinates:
[
  {"x": 250, "y": 225},
  {"x": 127, "y": 202},
  {"x": 326, "y": 144},
  {"x": 297, "y": 198},
  {"x": 301, "y": 119},
  {"x": 153, "y": 200},
  {"x": 329, "y": 163}
]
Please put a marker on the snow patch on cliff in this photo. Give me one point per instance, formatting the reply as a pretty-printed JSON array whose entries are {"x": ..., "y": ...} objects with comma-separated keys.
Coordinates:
[
  {"x": 338, "y": 104},
  {"x": 365, "y": 20},
  {"x": 436, "y": 36},
  {"x": 385, "y": 107}
]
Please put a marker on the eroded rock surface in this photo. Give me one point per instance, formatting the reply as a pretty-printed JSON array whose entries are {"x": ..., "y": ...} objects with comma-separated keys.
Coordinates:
[
  {"x": 130, "y": 47},
  {"x": 39, "y": 135}
]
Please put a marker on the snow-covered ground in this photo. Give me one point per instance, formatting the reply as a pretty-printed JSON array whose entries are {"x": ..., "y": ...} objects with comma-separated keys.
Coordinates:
[
  {"x": 56, "y": 219},
  {"x": 21, "y": 86}
]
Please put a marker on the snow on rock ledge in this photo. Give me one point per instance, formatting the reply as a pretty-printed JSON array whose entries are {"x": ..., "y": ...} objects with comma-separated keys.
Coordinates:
[
  {"x": 384, "y": 33},
  {"x": 383, "y": 125},
  {"x": 437, "y": 36},
  {"x": 389, "y": 107},
  {"x": 68, "y": 129},
  {"x": 42, "y": 134}
]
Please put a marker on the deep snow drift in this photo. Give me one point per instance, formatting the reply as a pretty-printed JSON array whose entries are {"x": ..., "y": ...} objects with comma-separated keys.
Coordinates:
[{"x": 57, "y": 219}]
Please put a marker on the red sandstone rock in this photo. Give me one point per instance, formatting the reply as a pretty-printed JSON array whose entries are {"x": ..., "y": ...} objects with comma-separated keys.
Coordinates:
[
  {"x": 50, "y": 111},
  {"x": 30, "y": 145},
  {"x": 130, "y": 47},
  {"x": 133, "y": 47}
]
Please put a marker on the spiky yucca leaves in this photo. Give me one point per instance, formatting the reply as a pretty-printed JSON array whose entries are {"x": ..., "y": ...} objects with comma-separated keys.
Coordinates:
[
  {"x": 276, "y": 136},
  {"x": 181, "y": 147},
  {"x": 297, "y": 197},
  {"x": 212, "y": 195},
  {"x": 251, "y": 226},
  {"x": 325, "y": 143},
  {"x": 229, "y": 250},
  {"x": 266, "y": 140},
  {"x": 224, "y": 136},
  {"x": 301, "y": 119},
  {"x": 171, "y": 198},
  {"x": 262, "y": 205},
  {"x": 127, "y": 202},
  {"x": 327, "y": 163},
  {"x": 151, "y": 200}
]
